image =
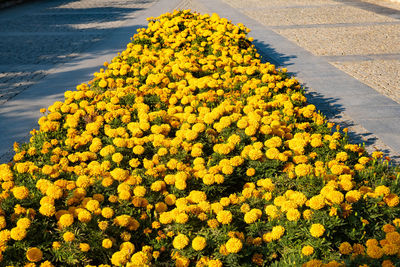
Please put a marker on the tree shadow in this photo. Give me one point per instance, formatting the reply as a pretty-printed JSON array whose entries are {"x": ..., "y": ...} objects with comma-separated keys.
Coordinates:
[
  {"x": 268, "y": 54},
  {"x": 49, "y": 34}
]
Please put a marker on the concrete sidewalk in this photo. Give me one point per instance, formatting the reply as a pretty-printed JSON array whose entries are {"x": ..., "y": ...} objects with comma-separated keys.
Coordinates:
[{"x": 48, "y": 47}]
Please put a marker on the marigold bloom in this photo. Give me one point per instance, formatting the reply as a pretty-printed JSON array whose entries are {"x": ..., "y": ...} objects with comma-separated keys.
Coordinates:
[
  {"x": 180, "y": 241},
  {"x": 307, "y": 250},
  {"x": 66, "y": 220},
  {"x": 47, "y": 209},
  {"x": 106, "y": 243},
  {"x": 68, "y": 236},
  {"x": 199, "y": 243},
  {"x": 24, "y": 223},
  {"x": 317, "y": 230},
  {"x": 34, "y": 254},
  {"x": 18, "y": 233},
  {"x": 345, "y": 248},
  {"x": 84, "y": 247},
  {"x": 224, "y": 216},
  {"x": 234, "y": 245},
  {"x": 20, "y": 192}
]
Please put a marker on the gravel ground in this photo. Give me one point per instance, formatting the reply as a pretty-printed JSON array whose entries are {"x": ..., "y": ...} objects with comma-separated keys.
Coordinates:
[
  {"x": 308, "y": 14},
  {"x": 193, "y": 6},
  {"x": 383, "y": 75},
  {"x": 350, "y": 40}
]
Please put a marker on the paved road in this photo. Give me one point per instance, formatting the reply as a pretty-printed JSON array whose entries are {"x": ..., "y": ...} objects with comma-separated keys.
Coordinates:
[{"x": 48, "y": 47}]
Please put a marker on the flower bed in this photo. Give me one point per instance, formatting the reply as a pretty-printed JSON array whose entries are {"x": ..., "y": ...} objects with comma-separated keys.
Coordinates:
[{"x": 188, "y": 150}]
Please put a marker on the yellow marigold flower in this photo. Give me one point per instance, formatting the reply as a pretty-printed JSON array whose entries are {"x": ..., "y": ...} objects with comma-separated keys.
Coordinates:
[
  {"x": 374, "y": 252},
  {"x": 272, "y": 211},
  {"x": 46, "y": 264},
  {"x": 377, "y": 154},
  {"x": 18, "y": 233},
  {"x": 106, "y": 243},
  {"x": 68, "y": 236},
  {"x": 182, "y": 218},
  {"x": 345, "y": 248},
  {"x": 224, "y": 216},
  {"x": 83, "y": 181},
  {"x": 197, "y": 196},
  {"x": 215, "y": 263},
  {"x": 358, "y": 249},
  {"x": 393, "y": 237},
  {"x": 390, "y": 249},
  {"x": 34, "y": 254},
  {"x": 47, "y": 209},
  {"x": 252, "y": 216},
  {"x": 140, "y": 258},
  {"x": 3, "y": 222},
  {"x": 213, "y": 223},
  {"x": 236, "y": 161},
  {"x": 303, "y": 169},
  {"x": 277, "y": 232},
  {"x": 170, "y": 199},
  {"x": 23, "y": 223},
  {"x": 20, "y": 192},
  {"x": 139, "y": 191},
  {"x": 342, "y": 156},
  {"x": 119, "y": 174},
  {"x": 120, "y": 258},
  {"x": 307, "y": 214},
  {"x": 382, "y": 190},
  {"x": 138, "y": 150},
  {"x": 157, "y": 186},
  {"x": 335, "y": 197},
  {"x": 84, "y": 216},
  {"x": 307, "y": 250},
  {"x": 363, "y": 160},
  {"x": 392, "y": 200},
  {"x": 180, "y": 241},
  {"x": 84, "y": 247},
  {"x": 317, "y": 202},
  {"x": 56, "y": 245},
  {"x": 66, "y": 220},
  {"x": 107, "y": 212},
  {"x": 293, "y": 214},
  {"x": 317, "y": 230},
  {"x": 92, "y": 205},
  {"x": 227, "y": 169},
  {"x": 199, "y": 243},
  {"x": 54, "y": 191},
  {"x": 353, "y": 196},
  {"x": 103, "y": 83},
  {"x": 272, "y": 153},
  {"x": 117, "y": 157},
  {"x": 387, "y": 263},
  {"x": 127, "y": 246},
  {"x": 233, "y": 245},
  {"x": 337, "y": 169},
  {"x": 250, "y": 172},
  {"x": 103, "y": 225},
  {"x": 313, "y": 263}
]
